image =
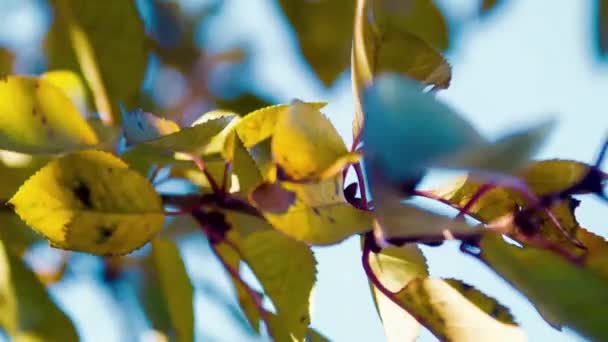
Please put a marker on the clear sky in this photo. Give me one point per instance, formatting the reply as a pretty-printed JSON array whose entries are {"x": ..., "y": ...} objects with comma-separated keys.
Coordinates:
[{"x": 528, "y": 61}]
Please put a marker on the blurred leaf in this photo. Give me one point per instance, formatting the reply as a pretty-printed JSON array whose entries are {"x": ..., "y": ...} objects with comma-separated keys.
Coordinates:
[
  {"x": 488, "y": 6},
  {"x": 305, "y": 143},
  {"x": 402, "y": 222},
  {"x": 37, "y": 117},
  {"x": 601, "y": 27},
  {"x": 7, "y": 59},
  {"x": 11, "y": 177},
  {"x": 242, "y": 104},
  {"x": 324, "y": 32},
  {"x": 107, "y": 40},
  {"x": 395, "y": 267},
  {"x": 570, "y": 293},
  {"x": 403, "y": 122},
  {"x": 259, "y": 125},
  {"x": 550, "y": 176},
  {"x": 139, "y": 126},
  {"x": 15, "y": 233},
  {"x": 447, "y": 310},
  {"x": 90, "y": 202},
  {"x": 72, "y": 86},
  {"x": 482, "y": 301},
  {"x": 286, "y": 269},
  {"x": 176, "y": 287},
  {"x": 27, "y": 313},
  {"x": 272, "y": 198},
  {"x": 320, "y": 214}
]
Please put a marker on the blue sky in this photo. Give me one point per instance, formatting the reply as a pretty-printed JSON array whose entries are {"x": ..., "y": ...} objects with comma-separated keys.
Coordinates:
[{"x": 528, "y": 61}]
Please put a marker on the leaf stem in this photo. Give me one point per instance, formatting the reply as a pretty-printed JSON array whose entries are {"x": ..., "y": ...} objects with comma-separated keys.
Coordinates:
[
  {"x": 200, "y": 163},
  {"x": 362, "y": 187}
]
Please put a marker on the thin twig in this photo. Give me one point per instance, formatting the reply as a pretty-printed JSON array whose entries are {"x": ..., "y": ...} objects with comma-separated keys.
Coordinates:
[
  {"x": 200, "y": 163},
  {"x": 362, "y": 187}
]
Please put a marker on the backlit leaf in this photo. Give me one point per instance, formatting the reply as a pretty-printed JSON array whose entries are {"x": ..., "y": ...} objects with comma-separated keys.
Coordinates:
[
  {"x": 27, "y": 313},
  {"x": 570, "y": 293},
  {"x": 72, "y": 86},
  {"x": 139, "y": 126},
  {"x": 288, "y": 281},
  {"x": 395, "y": 267},
  {"x": 450, "y": 315},
  {"x": 37, "y": 117},
  {"x": 305, "y": 143},
  {"x": 320, "y": 214},
  {"x": 92, "y": 202},
  {"x": 176, "y": 287}
]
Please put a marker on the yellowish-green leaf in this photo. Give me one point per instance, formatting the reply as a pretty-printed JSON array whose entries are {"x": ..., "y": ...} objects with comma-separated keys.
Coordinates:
[
  {"x": 484, "y": 302},
  {"x": 27, "y": 313},
  {"x": 37, "y": 117},
  {"x": 223, "y": 142},
  {"x": 286, "y": 269},
  {"x": 395, "y": 267},
  {"x": 452, "y": 316},
  {"x": 320, "y": 214},
  {"x": 245, "y": 167},
  {"x": 549, "y": 176},
  {"x": 176, "y": 287},
  {"x": 305, "y": 143},
  {"x": 259, "y": 125},
  {"x": 15, "y": 233},
  {"x": 91, "y": 202},
  {"x": 572, "y": 294},
  {"x": 72, "y": 86},
  {"x": 324, "y": 31},
  {"x": 139, "y": 126},
  {"x": 106, "y": 42}
]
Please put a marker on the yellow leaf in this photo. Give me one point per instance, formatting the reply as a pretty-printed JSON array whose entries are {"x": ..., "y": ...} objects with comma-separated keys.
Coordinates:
[
  {"x": 106, "y": 41},
  {"x": 176, "y": 288},
  {"x": 305, "y": 143},
  {"x": 259, "y": 125},
  {"x": 450, "y": 315},
  {"x": 91, "y": 202},
  {"x": 320, "y": 214},
  {"x": 72, "y": 86},
  {"x": 37, "y": 117},
  {"x": 27, "y": 313}
]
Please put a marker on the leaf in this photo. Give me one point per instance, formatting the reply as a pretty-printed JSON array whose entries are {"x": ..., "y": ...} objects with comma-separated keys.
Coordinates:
[
  {"x": 245, "y": 167},
  {"x": 550, "y": 176},
  {"x": 402, "y": 122},
  {"x": 401, "y": 222},
  {"x": 305, "y": 143},
  {"x": 37, "y": 117},
  {"x": 91, "y": 202},
  {"x": 450, "y": 315},
  {"x": 106, "y": 42},
  {"x": 176, "y": 287},
  {"x": 288, "y": 281},
  {"x": 260, "y": 125},
  {"x": 320, "y": 214},
  {"x": 27, "y": 313},
  {"x": 139, "y": 126},
  {"x": 190, "y": 139},
  {"x": 395, "y": 267},
  {"x": 7, "y": 59},
  {"x": 570, "y": 293},
  {"x": 72, "y": 86},
  {"x": 272, "y": 198},
  {"x": 324, "y": 32},
  {"x": 601, "y": 27},
  {"x": 243, "y": 103},
  {"x": 482, "y": 301},
  {"x": 15, "y": 233},
  {"x": 489, "y": 6}
]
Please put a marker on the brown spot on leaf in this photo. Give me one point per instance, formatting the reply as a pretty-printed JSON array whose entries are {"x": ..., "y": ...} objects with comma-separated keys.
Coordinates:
[
  {"x": 83, "y": 193},
  {"x": 272, "y": 198},
  {"x": 316, "y": 211},
  {"x": 104, "y": 234}
]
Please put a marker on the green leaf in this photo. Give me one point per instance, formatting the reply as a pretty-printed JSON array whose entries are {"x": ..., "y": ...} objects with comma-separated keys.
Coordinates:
[
  {"x": 37, "y": 117},
  {"x": 176, "y": 287},
  {"x": 106, "y": 42},
  {"x": 91, "y": 202},
  {"x": 395, "y": 267},
  {"x": 242, "y": 104},
  {"x": 572, "y": 294},
  {"x": 139, "y": 126},
  {"x": 445, "y": 308},
  {"x": 288, "y": 281},
  {"x": 27, "y": 313},
  {"x": 305, "y": 143},
  {"x": 259, "y": 125},
  {"x": 15, "y": 233},
  {"x": 245, "y": 167},
  {"x": 550, "y": 176},
  {"x": 324, "y": 32},
  {"x": 482, "y": 301},
  {"x": 320, "y": 214}
]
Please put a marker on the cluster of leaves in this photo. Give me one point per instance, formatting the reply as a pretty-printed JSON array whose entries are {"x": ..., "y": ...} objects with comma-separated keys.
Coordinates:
[{"x": 269, "y": 184}]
